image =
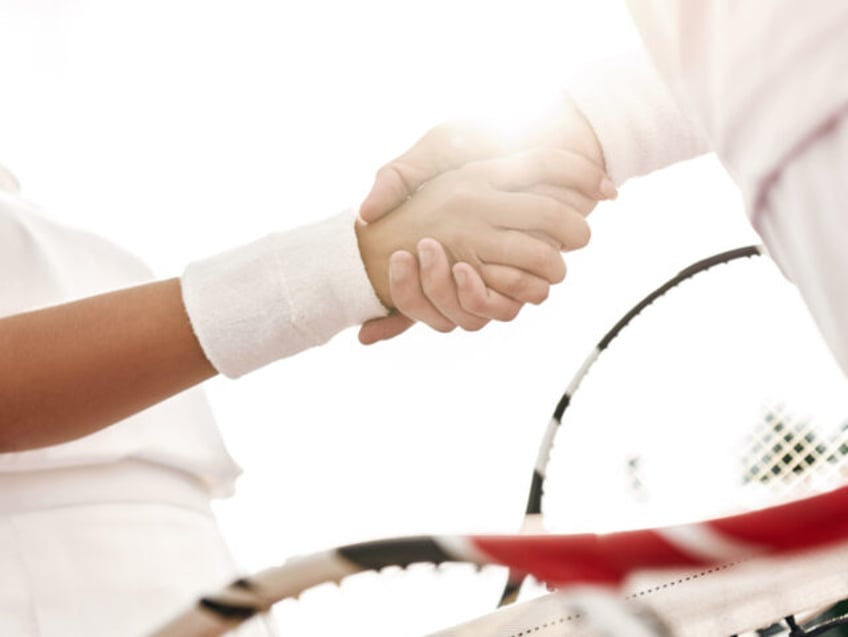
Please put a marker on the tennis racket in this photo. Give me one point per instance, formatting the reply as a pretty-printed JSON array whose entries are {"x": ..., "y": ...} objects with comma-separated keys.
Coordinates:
[
  {"x": 713, "y": 394},
  {"x": 712, "y": 398},
  {"x": 589, "y": 569}
]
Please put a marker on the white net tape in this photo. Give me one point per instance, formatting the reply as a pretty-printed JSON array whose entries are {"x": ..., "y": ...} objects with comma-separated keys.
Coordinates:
[{"x": 720, "y": 602}]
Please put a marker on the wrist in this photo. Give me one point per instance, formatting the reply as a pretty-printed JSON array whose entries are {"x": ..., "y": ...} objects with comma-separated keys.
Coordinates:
[
  {"x": 579, "y": 136},
  {"x": 375, "y": 258},
  {"x": 279, "y": 295}
]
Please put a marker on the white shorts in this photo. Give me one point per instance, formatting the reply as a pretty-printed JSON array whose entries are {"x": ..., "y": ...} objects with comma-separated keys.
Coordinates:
[{"x": 106, "y": 551}]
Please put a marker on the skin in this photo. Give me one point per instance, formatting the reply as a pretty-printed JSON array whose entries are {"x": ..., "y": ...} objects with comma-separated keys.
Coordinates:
[
  {"x": 74, "y": 368},
  {"x": 429, "y": 288},
  {"x": 509, "y": 218},
  {"x": 71, "y": 369}
]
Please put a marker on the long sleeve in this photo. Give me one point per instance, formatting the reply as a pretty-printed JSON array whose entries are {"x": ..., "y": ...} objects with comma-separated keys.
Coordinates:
[
  {"x": 641, "y": 127},
  {"x": 756, "y": 80}
]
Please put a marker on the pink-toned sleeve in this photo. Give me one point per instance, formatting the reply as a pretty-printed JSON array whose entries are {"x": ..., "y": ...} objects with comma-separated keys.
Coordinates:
[{"x": 640, "y": 125}]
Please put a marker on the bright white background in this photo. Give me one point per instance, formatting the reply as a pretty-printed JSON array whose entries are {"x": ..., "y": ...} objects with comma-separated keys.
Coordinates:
[{"x": 181, "y": 127}]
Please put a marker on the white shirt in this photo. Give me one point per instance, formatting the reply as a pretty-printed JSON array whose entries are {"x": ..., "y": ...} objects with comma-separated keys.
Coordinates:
[
  {"x": 43, "y": 263},
  {"x": 760, "y": 83},
  {"x": 752, "y": 80},
  {"x": 249, "y": 306}
]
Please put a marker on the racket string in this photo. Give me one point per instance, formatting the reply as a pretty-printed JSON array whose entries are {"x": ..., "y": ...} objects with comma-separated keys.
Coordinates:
[
  {"x": 833, "y": 626},
  {"x": 712, "y": 395},
  {"x": 787, "y": 453}
]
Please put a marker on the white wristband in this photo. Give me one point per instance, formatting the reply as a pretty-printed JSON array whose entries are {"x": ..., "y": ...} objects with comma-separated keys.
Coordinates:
[{"x": 279, "y": 295}]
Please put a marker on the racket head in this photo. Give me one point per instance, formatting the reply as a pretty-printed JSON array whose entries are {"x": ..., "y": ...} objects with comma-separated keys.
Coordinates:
[
  {"x": 715, "y": 394},
  {"x": 719, "y": 396},
  {"x": 394, "y": 586},
  {"x": 599, "y": 438}
]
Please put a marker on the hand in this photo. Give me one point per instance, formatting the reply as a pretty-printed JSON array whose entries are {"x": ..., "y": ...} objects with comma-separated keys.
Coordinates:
[
  {"x": 444, "y": 147},
  {"x": 465, "y": 302},
  {"x": 451, "y": 145},
  {"x": 485, "y": 214}
]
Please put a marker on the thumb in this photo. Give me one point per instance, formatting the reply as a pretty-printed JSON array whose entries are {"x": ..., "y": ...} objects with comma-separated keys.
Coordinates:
[
  {"x": 443, "y": 148},
  {"x": 390, "y": 189},
  {"x": 382, "y": 329}
]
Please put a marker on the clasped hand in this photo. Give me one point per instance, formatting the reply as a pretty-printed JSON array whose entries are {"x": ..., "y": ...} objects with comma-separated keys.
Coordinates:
[{"x": 489, "y": 233}]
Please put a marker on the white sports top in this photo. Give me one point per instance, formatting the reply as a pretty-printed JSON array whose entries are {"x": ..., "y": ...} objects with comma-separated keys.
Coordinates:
[
  {"x": 43, "y": 263},
  {"x": 233, "y": 301}
]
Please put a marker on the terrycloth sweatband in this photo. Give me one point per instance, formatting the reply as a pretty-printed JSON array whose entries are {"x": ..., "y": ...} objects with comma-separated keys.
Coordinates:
[{"x": 279, "y": 295}]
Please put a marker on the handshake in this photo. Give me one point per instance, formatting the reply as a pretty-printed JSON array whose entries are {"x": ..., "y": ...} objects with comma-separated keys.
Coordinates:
[
  {"x": 488, "y": 224},
  {"x": 459, "y": 230}
]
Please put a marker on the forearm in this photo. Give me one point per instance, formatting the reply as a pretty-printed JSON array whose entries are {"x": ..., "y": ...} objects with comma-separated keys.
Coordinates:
[
  {"x": 72, "y": 369},
  {"x": 69, "y": 370}
]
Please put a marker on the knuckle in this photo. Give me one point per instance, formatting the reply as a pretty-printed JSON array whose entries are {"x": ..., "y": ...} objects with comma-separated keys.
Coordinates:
[
  {"x": 533, "y": 290},
  {"x": 522, "y": 287},
  {"x": 537, "y": 294},
  {"x": 538, "y": 163},
  {"x": 387, "y": 169},
  {"x": 557, "y": 268},
  {"x": 584, "y": 206},
  {"x": 475, "y": 304},
  {"x": 394, "y": 171},
  {"x": 552, "y": 160},
  {"x": 543, "y": 259},
  {"x": 464, "y": 197},
  {"x": 461, "y": 199},
  {"x": 473, "y": 325},
  {"x": 514, "y": 282},
  {"x": 552, "y": 216},
  {"x": 408, "y": 307},
  {"x": 510, "y": 313},
  {"x": 480, "y": 171},
  {"x": 580, "y": 235},
  {"x": 503, "y": 309}
]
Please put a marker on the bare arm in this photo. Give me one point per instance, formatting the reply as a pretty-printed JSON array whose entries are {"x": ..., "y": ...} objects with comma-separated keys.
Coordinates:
[
  {"x": 69, "y": 370},
  {"x": 72, "y": 369}
]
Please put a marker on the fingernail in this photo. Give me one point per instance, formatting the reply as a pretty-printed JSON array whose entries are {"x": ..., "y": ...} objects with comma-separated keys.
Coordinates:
[
  {"x": 425, "y": 255},
  {"x": 398, "y": 269},
  {"x": 461, "y": 277},
  {"x": 607, "y": 189}
]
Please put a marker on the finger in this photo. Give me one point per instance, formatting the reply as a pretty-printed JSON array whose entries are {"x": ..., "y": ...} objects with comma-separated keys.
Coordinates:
[
  {"x": 554, "y": 166},
  {"x": 525, "y": 252},
  {"x": 443, "y": 148},
  {"x": 389, "y": 190},
  {"x": 572, "y": 198},
  {"x": 529, "y": 212},
  {"x": 382, "y": 329},
  {"x": 408, "y": 296},
  {"x": 515, "y": 284},
  {"x": 521, "y": 211},
  {"x": 439, "y": 286},
  {"x": 475, "y": 298}
]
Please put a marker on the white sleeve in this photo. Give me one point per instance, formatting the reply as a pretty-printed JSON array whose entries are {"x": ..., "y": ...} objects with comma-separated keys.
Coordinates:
[
  {"x": 639, "y": 124},
  {"x": 279, "y": 295}
]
